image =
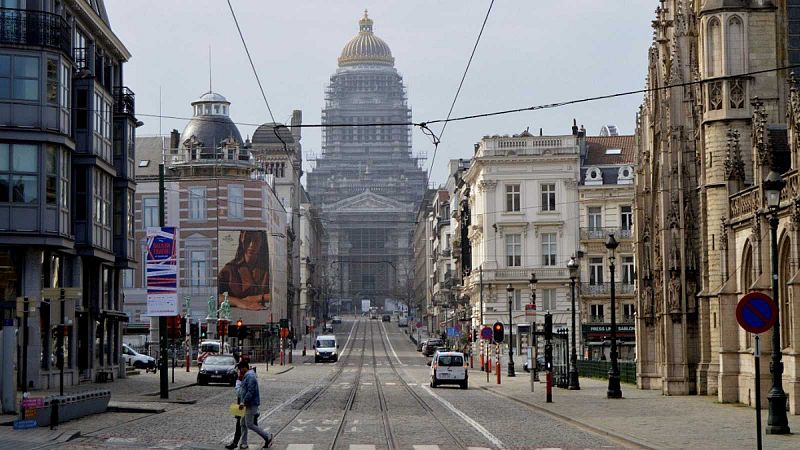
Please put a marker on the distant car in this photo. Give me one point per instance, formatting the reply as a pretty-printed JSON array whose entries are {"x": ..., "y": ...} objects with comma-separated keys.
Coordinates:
[
  {"x": 421, "y": 344},
  {"x": 386, "y": 318},
  {"x": 326, "y": 349},
  {"x": 218, "y": 369},
  {"x": 136, "y": 359},
  {"x": 373, "y": 317},
  {"x": 431, "y": 345},
  {"x": 208, "y": 348},
  {"x": 336, "y": 319},
  {"x": 449, "y": 368},
  {"x": 327, "y": 328},
  {"x": 402, "y": 322}
]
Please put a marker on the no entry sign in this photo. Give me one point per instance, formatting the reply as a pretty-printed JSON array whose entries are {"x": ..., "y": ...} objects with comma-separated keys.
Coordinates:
[
  {"x": 486, "y": 334},
  {"x": 756, "y": 312}
]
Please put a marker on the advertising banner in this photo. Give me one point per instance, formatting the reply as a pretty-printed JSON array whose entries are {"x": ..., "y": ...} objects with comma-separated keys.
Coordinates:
[
  {"x": 162, "y": 271},
  {"x": 245, "y": 274}
]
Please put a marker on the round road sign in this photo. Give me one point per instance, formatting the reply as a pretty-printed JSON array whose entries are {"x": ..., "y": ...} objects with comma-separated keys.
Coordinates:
[
  {"x": 486, "y": 333},
  {"x": 756, "y": 312},
  {"x": 419, "y": 324}
]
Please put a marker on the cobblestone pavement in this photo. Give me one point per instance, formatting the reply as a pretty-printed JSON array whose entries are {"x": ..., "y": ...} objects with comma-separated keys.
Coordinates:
[{"x": 380, "y": 376}]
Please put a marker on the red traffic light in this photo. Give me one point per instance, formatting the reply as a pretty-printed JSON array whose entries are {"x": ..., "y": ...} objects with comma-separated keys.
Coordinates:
[
  {"x": 239, "y": 323},
  {"x": 498, "y": 332}
]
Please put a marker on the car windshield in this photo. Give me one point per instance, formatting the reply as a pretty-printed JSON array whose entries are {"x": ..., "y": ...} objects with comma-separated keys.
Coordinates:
[
  {"x": 220, "y": 361},
  {"x": 433, "y": 342},
  {"x": 212, "y": 347},
  {"x": 451, "y": 361},
  {"x": 326, "y": 343}
]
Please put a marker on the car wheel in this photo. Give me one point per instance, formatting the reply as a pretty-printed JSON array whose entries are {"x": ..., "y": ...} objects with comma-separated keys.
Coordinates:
[
  {"x": 138, "y": 365},
  {"x": 201, "y": 381},
  {"x": 464, "y": 384},
  {"x": 336, "y": 358},
  {"x": 433, "y": 382},
  {"x": 316, "y": 360}
]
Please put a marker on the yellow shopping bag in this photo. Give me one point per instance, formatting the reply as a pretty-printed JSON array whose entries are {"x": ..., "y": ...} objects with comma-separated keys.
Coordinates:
[{"x": 235, "y": 411}]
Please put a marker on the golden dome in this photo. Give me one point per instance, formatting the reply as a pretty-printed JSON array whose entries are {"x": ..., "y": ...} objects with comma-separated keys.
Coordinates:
[{"x": 365, "y": 47}]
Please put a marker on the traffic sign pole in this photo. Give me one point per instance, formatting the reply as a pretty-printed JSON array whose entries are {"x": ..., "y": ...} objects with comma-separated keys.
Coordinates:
[{"x": 757, "y": 357}]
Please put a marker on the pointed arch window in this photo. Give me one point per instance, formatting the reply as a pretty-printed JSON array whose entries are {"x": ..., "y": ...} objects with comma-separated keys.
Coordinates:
[
  {"x": 734, "y": 46},
  {"x": 714, "y": 48}
]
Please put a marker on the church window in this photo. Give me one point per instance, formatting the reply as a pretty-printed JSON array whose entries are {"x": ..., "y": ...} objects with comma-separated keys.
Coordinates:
[
  {"x": 736, "y": 94},
  {"x": 735, "y": 46},
  {"x": 714, "y": 48}
]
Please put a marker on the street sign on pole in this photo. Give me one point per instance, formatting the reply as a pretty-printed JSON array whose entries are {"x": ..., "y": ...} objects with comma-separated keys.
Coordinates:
[
  {"x": 530, "y": 310},
  {"x": 756, "y": 312},
  {"x": 486, "y": 333}
]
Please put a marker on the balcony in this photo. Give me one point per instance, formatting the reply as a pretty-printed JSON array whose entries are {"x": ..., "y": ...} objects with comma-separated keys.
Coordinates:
[
  {"x": 601, "y": 234},
  {"x": 36, "y": 28},
  {"x": 124, "y": 100},
  {"x": 604, "y": 289},
  {"x": 519, "y": 274},
  {"x": 445, "y": 253},
  {"x": 597, "y": 319}
]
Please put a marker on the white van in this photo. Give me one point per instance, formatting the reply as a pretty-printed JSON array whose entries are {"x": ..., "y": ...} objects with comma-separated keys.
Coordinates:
[
  {"x": 449, "y": 368},
  {"x": 208, "y": 348},
  {"x": 326, "y": 348}
]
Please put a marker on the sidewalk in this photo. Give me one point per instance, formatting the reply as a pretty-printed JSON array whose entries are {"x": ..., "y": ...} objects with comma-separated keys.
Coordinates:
[{"x": 643, "y": 418}]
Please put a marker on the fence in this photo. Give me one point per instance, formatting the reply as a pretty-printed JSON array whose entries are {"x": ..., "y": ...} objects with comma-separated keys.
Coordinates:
[{"x": 599, "y": 369}]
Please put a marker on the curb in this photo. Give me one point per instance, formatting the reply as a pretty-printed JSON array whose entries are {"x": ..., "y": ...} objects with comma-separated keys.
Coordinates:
[
  {"x": 628, "y": 441},
  {"x": 177, "y": 388},
  {"x": 284, "y": 370}
]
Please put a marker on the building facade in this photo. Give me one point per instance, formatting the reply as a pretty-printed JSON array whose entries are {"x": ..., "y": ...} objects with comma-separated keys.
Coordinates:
[
  {"x": 66, "y": 186},
  {"x": 366, "y": 182},
  {"x": 702, "y": 234},
  {"x": 422, "y": 289},
  {"x": 605, "y": 196}
]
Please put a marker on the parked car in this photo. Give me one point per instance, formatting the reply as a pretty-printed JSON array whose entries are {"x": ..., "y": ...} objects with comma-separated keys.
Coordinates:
[
  {"x": 386, "y": 318},
  {"x": 421, "y": 344},
  {"x": 336, "y": 319},
  {"x": 431, "y": 345},
  {"x": 217, "y": 369},
  {"x": 449, "y": 368},
  {"x": 402, "y": 322},
  {"x": 539, "y": 364},
  {"x": 327, "y": 328},
  {"x": 137, "y": 360},
  {"x": 326, "y": 348}
]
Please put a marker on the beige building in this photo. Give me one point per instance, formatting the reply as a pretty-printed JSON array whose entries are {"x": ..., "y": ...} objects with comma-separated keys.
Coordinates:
[{"x": 702, "y": 234}]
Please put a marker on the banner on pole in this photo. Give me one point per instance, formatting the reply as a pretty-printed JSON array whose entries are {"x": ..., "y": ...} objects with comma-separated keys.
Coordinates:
[{"x": 162, "y": 271}]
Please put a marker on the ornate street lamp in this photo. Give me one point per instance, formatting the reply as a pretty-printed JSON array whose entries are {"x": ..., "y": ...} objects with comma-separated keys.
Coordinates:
[
  {"x": 574, "y": 384},
  {"x": 510, "y": 290},
  {"x": 614, "y": 389},
  {"x": 777, "y": 422},
  {"x": 535, "y": 353}
]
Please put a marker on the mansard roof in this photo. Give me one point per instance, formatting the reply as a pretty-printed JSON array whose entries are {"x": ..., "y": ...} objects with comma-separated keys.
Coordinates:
[{"x": 596, "y": 154}]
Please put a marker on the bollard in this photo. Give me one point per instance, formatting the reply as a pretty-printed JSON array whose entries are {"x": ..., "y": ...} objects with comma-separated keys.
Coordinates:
[
  {"x": 549, "y": 386},
  {"x": 497, "y": 364},
  {"x": 304, "y": 349},
  {"x": 481, "y": 359},
  {"x": 53, "y": 413}
]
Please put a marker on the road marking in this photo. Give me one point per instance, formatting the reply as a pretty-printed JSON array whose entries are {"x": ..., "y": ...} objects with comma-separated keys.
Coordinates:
[
  {"x": 389, "y": 383},
  {"x": 304, "y": 421},
  {"x": 288, "y": 401},
  {"x": 426, "y": 447},
  {"x": 411, "y": 384},
  {"x": 478, "y": 448},
  {"x": 366, "y": 383},
  {"x": 391, "y": 347},
  {"x": 349, "y": 336},
  {"x": 300, "y": 447},
  {"x": 297, "y": 429},
  {"x": 478, "y": 427},
  {"x": 321, "y": 429},
  {"x": 361, "y": 447}
]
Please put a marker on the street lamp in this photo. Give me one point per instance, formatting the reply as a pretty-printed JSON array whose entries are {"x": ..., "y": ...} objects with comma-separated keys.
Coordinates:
[
  {"x": 777, "y": 422},
  {"x": 574, "y": 384},
  {"x": 535, "y": 354},
  {"x": 614, "y": 390},
  {"x": 510, "y": 290}
]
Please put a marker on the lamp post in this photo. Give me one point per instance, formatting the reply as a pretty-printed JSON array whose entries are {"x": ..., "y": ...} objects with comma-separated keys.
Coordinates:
[
  {"x": 614, "y": 390},
  {"x": 777, "y": 422},
  {"x": 535, "y": 353},
  {"x": 574, "y": 384},
  {"x": 510, "y": 290}
]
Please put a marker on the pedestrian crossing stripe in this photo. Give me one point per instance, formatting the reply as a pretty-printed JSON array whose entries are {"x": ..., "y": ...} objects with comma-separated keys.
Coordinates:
[{"x": 373, "y": 447}]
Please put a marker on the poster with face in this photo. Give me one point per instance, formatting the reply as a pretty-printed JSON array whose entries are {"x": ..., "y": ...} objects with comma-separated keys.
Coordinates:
[{"x": 245, "y": 274}]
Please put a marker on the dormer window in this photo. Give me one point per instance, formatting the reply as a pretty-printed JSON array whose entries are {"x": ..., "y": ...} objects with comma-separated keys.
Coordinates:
[{"x": 593, "y": 176}]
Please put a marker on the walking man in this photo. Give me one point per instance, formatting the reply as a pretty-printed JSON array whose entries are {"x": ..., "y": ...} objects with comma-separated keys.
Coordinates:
[{"x": 250, "y": 400}]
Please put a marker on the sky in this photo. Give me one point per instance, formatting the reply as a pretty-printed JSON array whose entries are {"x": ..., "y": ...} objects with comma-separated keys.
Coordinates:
[{"x": 532, "y": 52}]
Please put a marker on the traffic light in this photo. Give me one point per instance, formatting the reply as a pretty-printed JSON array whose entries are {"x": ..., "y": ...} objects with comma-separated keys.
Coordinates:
[
  {"x": 548, "y": 356},
  {"x": 183, "y": 327},
  {"x": 239, "y": 323},
  {"x": 548, "y": 327},
  {"x": 203, "y": 328},
  {"x": 284, "y": 323},
  {"x": 499, "y": 332}
]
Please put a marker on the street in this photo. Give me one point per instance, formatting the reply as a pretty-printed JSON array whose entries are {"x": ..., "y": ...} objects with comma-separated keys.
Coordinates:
[{"x": 377, "y": 396}]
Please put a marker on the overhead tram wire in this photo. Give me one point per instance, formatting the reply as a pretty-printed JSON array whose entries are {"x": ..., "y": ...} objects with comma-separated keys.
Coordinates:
[
  {"x": 253, "y": 66},
  {"x": 437, "y": 140}
]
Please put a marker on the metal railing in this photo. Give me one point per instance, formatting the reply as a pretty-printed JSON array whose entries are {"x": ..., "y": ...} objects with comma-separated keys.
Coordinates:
[
  {"x": 39, "y": 28},
  {"x": 601, "y": 233},
  {"x": 597, "y": 319},
  {"x": 124, "y": 100},
  {"x": 605, "y": 288},
  {"x": 599, "y": 369}
]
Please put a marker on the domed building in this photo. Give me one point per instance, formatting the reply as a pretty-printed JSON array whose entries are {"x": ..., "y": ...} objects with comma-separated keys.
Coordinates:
[
  {"x": 211, "y": 134},
  {"x": 367, "y": 182}
]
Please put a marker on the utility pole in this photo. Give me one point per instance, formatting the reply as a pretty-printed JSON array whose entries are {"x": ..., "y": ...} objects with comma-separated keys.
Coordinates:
[{"x": 162, "y": 320}]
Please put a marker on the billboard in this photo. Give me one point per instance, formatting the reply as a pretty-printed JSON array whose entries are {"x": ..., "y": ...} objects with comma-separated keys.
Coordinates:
[
  {"x": 161, "y": 267},
  {"x": 244, "y": 258}
]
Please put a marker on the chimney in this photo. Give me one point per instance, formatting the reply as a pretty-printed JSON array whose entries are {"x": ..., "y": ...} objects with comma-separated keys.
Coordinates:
[
  {"x": 174, "y": 139},
  {"x": 574, "y": 127},
  {"x": 297, "y": 119}
]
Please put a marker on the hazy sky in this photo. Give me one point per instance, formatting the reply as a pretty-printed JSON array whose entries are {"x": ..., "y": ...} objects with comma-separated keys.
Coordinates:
[{"x": 532, "y": 52}]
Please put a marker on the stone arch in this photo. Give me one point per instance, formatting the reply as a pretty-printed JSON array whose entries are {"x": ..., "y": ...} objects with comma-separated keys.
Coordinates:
[
  {"x": 714, "y": 48},
  {"x": 786, "y": 269},
  {"x": 747, "y": 271},
  {"x": 734, "y": 45}
]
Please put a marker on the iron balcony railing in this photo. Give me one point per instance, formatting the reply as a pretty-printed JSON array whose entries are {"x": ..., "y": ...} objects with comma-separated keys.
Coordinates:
[
  {"x": 601, "y": 233},
  {"x": 605, "y": 288},
  {"x": 597, "y": 319},
  {"x": 124, "y": 100},
  {"x": 37, "y": 28}
]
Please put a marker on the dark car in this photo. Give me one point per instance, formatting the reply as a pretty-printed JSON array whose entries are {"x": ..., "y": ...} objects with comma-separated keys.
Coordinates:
[
  {"x": 431, "y": 345},
  {"x": 386, "y": 318},
  {"x": 420, "y": 345},
  {"x": 218, "y": 369}
]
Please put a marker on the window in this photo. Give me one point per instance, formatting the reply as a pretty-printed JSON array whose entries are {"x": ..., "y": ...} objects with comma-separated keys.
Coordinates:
[
  {"x": 513, "y": 250},
  {"x": 19, "y": 173},
  {"x": 596, "y": 313},
  {"x": 64, "y": 223},
  {"x": 628, "y": 274},
  {"x": 102, "y": 209},
  {"x": 627, "y": 311},
  {"x": 549, "y": 249},
  {"x": 52, "y": 81},
  {"x": 548, "y": 197},
  {"x": 197, "y": 277},
  {"x": 65, "y": 98},
  {"x": 714, "y": 49},
  {"x": 626, "y": 217},
  {"x": 595, "y": 271},
  {"x": 150, "y": 212},
  {"x": 19, "y": 77},
  {"x": 51, "y": 174},
  {"x": 235, "y": 201},
  {"x": 793, "y": 35},
  {"x": 594, "y": 217},
  {"x": 197, "y": 203},
  {"x": 735, "y": 46},
  {"x": 512, "y": 197},
  {"x": 548, "y": 299},
  {"x": 102, "y": 126},
  {"x": 127, "y": 278}
]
